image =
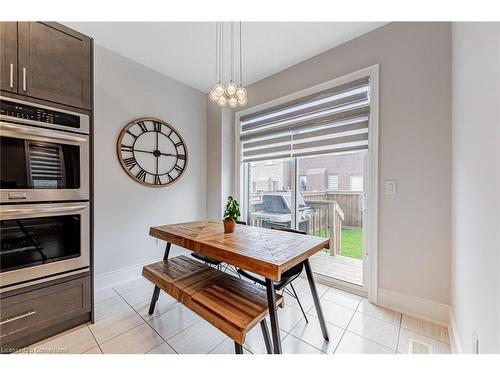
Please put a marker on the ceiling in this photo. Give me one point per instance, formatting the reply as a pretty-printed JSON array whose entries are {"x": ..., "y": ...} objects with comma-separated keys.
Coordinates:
[{"x": 185, "y": 51}]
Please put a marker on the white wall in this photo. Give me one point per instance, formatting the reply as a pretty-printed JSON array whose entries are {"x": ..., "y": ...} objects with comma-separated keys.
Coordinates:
[
  {"x": 125, "y": 209},
  {"x": 214, "y": 161},
  {"x": 220, "y": 159},
  {"x": 415, "y": 145},
  {"x": 476, "y": 185}
]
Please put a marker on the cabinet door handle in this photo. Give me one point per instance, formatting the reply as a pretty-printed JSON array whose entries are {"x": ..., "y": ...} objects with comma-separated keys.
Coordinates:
[
  {"x": 17, "y": 317},
  {"x": 11, "y": 75},
  {"x": 24, "y": 78}
]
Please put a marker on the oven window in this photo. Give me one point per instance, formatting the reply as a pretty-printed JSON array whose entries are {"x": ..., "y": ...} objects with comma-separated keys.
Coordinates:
[
  {"x": 35, "y": 241},
  {"x": 38, "y": 165}
]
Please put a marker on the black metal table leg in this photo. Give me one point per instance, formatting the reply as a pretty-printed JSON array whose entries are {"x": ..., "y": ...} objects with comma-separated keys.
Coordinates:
[
  {"x": 267, "y": 338},
  {"x": 238, "y": 349},
  {"x": 156, "y": 291},
  {"x": 273, "y": 316},
  {"x": 156, "y": 294},
  {"x": 317, "y": 304},
  {"x": 167, "y": 251}
]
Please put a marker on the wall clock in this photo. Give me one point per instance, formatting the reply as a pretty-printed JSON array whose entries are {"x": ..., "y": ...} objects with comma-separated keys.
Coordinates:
[{"x": 152, "y": 152}]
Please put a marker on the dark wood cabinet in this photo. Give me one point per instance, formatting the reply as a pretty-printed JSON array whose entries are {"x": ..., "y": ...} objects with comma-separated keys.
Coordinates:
[
  {"x": 47, "y": 63},
  {"x": 8, "y": 56},
  {"x": 53, "y": 63},
  {"x": 27, "y": 316}
]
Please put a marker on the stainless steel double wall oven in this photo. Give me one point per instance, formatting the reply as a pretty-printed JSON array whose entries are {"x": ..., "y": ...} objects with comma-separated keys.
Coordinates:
[{"x": 44, "y": 192}]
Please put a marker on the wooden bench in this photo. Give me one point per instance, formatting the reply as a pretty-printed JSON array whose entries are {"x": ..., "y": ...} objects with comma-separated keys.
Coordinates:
[{"x": 232, "y": 305}]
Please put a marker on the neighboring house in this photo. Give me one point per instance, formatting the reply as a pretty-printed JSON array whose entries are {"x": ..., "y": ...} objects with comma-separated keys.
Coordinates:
[
  {"x": 273, "y": 175},
  {"x": 342, "y": 172}
]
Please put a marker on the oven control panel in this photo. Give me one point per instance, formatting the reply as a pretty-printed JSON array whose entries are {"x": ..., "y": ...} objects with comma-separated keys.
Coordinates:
[{"x": 43, "y": 115}]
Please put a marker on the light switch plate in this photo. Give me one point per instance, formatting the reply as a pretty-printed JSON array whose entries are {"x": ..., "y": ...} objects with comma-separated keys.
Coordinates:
[{"x": 391, "y": 187}]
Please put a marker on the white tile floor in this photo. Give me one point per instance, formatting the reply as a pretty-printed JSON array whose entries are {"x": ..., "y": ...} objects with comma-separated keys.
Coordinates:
[{"x": 355, "y": 326}]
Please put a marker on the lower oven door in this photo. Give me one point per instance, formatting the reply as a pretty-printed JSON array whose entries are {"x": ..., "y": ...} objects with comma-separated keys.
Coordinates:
[{"x": 40, "y": 240}]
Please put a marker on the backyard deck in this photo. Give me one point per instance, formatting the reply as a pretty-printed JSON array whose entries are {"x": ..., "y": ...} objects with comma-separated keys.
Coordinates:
[{"x": 339, "y": 267}]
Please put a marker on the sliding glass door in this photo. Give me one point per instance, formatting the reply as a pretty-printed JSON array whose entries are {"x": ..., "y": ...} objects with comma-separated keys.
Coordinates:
[{"x": 306, "y": 164}]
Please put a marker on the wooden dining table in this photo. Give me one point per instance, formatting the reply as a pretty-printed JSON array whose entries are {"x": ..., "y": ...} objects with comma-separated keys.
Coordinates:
[{"x": 262, "y": 251}]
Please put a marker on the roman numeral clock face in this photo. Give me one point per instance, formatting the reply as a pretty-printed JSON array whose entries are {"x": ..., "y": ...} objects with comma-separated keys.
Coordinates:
[{"x": 152, "y": 152}]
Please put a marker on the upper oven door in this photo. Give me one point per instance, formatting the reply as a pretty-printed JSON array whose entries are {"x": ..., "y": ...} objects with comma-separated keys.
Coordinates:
[
  {"x": 40, "y": 240},
  {"x": 39, "y": 164}
]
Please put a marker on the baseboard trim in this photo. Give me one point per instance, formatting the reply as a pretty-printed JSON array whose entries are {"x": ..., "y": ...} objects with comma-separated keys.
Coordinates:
[
  {"x": 121, "y": 275},
  {"x": 109, "y": 279},
  {"x": 422, "y": 308},
  {"x": 456, "y": 344}
]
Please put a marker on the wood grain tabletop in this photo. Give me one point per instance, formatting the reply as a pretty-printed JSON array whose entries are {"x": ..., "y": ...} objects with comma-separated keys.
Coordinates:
[{"x": 263, "y": 251}]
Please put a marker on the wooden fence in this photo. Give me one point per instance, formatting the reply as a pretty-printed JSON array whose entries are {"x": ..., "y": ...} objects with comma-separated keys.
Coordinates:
[
  {"x": 351, "y": 204},
  {"x": 325, "y": 220},
  {"x": 327, "y": 214}
]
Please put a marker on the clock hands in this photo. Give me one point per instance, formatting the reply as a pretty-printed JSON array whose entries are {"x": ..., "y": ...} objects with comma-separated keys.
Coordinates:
[
  {"x": 157, "y": 158},
  {"x": 152, "y": 152},
  {"x": 147, "y": 152}
]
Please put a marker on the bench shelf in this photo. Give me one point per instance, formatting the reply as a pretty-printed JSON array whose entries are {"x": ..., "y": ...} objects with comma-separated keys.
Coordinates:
[{"x": 232, "y": 305}]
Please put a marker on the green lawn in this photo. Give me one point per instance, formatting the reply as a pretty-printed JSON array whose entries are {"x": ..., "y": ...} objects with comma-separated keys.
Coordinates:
[{"x": 352, "y": 242}]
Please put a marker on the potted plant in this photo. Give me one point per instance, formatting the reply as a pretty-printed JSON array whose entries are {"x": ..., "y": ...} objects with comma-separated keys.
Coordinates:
[{"x": 231, "y": 214}]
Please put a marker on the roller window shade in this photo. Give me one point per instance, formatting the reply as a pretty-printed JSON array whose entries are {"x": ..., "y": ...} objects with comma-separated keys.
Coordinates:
[{"x": 333, "y": 120}]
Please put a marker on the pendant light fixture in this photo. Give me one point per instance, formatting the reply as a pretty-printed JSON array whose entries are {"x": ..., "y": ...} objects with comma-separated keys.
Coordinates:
[{"x": 231, "y": 93}]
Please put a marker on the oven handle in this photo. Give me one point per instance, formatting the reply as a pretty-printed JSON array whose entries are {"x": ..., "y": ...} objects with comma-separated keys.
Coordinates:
[
  {"x": 15, "y": 212},
  {"x": 32, "y": 131}
]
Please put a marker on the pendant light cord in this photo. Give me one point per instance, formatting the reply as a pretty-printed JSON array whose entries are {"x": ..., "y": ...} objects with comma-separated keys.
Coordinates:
[
  {"x": 217, "y": 52},
  {"x": 241, "y": 64},
  {"x": 232, "y": 51},
  {"x": 221, "y": 51}
]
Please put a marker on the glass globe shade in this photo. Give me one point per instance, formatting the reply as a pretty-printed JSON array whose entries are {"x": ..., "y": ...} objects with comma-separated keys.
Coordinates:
[
  {"x": 222, "y": 101},
  {"x": 218, "y": 90},
  {"x": 233, "y": 102},
  {"x": 231, "y": 88},
  {"x": 241, "y": 93},
  {"x": 212, "y": 96},
  {"x": 242, "y": 102}
]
